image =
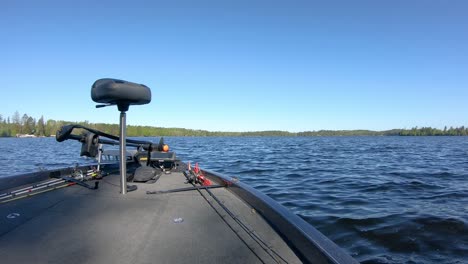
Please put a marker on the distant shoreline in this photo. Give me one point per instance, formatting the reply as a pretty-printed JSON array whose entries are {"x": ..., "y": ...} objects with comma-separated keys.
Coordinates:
[
  {"x": 28, "y": 126},
  {"x": 147, "y": 131}
]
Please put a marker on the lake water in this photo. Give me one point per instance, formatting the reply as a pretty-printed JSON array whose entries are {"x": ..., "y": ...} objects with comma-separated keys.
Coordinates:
[{"x": 383, "y": 199}]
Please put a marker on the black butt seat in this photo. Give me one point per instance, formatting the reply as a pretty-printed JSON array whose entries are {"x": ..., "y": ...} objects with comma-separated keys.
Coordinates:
[{"x": 121, "y": 93}]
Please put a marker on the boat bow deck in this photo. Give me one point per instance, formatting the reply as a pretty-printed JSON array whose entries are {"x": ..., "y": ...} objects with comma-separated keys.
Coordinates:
[{"x": 78, "y": 225}]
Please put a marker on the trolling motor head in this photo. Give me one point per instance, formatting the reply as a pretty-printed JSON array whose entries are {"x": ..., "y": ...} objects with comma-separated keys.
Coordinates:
[
  {"x": 123, "y": 94},
  {"x": 64, "y": 133}
]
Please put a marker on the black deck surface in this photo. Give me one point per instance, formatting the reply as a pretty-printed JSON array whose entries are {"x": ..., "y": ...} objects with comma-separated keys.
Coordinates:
[{"x": 78, "y": 225}]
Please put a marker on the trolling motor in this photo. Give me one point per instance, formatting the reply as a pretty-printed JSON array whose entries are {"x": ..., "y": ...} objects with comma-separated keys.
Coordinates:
[
  {"x": 153, "y": 159},
  {"x": 123, "y": 94}
]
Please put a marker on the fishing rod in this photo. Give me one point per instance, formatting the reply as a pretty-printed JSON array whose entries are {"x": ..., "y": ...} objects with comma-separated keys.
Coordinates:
[
  {"x": 32, "y": 193},
  {"x": 193, "y": 188},
  {"x": 195, "y": 176},
  {"x": 45, "y": 187},
  {"x": 31, "y": 188}
]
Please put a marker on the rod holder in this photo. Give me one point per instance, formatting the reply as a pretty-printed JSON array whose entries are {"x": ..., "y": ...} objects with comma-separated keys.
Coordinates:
[{"x": 99, "y": 157}]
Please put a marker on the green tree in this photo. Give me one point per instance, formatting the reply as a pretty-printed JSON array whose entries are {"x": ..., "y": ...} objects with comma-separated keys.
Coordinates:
[
  {"x": 51, "y": 127},
  {"x": 41, "y": 127},
  {"x": 23, "y": 121},
  {"x": 16, "y": 120},
  {"x": 29, "y": 127}
]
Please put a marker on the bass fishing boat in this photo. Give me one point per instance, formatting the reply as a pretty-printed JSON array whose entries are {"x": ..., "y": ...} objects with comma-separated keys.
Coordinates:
[{"x": 144, "y": 205}]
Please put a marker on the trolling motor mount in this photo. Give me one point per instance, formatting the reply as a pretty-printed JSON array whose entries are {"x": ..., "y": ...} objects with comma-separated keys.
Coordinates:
[
  {"x": 90, "y": 145},
  {"x": 123, "y": 94}
]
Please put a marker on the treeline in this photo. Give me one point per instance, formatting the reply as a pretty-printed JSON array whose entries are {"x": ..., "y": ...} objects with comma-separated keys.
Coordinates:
[
  {"x": 429, "y": 131},
  {"x": 415, "y": 131},
  {"x": 25, "y": 124},
  {"x": 394, "y": 132}
]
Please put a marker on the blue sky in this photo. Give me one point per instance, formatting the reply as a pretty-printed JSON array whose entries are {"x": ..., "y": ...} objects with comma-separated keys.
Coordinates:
[{"x": 241, "y": 65}]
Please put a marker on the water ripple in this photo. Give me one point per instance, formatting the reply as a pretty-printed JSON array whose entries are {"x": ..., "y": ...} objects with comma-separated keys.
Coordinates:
[{"x": 383, "y": 199}]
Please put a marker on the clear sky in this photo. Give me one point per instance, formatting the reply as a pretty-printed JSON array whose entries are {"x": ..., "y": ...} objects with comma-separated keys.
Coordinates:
[{"x": 241, "y": 65}]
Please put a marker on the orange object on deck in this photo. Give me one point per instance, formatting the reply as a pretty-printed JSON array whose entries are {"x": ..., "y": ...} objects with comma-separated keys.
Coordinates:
[{"x": 165, "y": 148}]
